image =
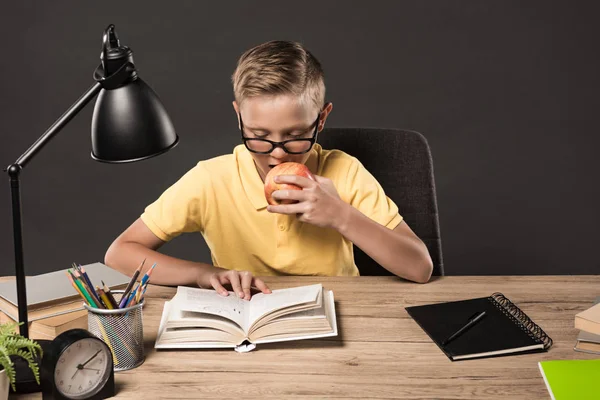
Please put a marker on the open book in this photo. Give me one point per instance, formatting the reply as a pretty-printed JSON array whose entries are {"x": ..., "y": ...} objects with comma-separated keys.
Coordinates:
[{"x": 202, "y": 318}]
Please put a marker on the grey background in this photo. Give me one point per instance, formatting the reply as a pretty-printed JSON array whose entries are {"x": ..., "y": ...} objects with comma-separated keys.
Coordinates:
[{"x": 506, "y": 92}]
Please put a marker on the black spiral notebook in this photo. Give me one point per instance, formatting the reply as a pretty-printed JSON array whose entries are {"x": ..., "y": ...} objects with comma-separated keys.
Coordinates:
[{"x": 504, "y": 330}]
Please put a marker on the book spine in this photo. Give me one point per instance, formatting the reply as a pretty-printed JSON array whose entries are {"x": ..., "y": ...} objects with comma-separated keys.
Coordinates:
[{"x": 521, "y": 319}]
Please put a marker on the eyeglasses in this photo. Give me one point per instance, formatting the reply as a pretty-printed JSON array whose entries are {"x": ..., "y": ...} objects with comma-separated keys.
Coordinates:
[{"x": 292, "y": 146}]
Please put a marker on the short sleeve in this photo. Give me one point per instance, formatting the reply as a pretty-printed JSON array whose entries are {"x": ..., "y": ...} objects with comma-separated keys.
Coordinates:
[
  {"x": 365, "y": 193},
  {"x": 181, "y": 207}
]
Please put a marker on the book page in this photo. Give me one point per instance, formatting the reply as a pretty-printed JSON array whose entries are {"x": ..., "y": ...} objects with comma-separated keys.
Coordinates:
[
  {"x": 162, "y": 330},
  {"x": 262, "y": 304},
  {"x": 209, "y": 301},
  {"x": 323, "y": 327},
  {"x": 592, "y": 314},
  {"x": 191, "y": 320}
]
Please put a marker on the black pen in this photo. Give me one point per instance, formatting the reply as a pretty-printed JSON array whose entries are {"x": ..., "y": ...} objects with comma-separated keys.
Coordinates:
[{"x": 467, "y": 326}]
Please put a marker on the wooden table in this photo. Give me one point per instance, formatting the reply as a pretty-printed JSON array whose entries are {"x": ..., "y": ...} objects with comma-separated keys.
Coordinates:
[{"x": 380, "y": 351}]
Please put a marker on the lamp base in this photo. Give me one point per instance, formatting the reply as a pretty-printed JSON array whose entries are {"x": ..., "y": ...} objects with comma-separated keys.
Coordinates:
[{"x": 25, "y": 381}]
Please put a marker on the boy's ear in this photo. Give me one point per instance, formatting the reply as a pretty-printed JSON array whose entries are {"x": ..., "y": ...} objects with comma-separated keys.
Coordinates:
[
  {"x": 237, "y": 112},
  {"x": 326, "y": 111}
]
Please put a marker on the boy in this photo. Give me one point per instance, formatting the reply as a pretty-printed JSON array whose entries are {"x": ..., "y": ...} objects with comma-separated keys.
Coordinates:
[{"x": 279, "y": 101}]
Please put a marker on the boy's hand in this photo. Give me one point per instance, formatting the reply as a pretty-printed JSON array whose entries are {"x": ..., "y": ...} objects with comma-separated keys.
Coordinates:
[
  {"x": 241, "y": 282},
  {"x": 318, "y": 202}
]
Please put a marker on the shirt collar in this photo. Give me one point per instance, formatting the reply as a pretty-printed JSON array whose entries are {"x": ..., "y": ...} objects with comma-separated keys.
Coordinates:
[{"x": 251, "y": 182}]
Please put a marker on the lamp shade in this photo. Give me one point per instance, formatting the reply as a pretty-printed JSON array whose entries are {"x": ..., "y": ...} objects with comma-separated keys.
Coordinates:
[{"x": 130, "y": 124}]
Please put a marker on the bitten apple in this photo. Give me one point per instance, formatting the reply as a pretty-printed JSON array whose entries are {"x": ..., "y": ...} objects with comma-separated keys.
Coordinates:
[{"x": 286, "y": 168}]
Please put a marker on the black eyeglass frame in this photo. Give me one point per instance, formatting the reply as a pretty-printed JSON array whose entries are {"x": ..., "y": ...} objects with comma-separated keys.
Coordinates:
[{"x": 282, "y": 144}]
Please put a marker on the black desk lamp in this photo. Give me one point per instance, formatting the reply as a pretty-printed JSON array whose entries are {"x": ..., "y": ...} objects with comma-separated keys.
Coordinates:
[{"x": 129, "y": 124}]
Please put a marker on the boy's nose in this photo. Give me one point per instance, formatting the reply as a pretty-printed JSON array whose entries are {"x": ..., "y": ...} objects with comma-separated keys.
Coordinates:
[{"x": 278, "y": 152}]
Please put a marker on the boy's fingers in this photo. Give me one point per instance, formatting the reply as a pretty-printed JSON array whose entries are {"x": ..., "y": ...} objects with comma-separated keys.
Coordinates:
[
  {"x": 321, "y": 179},
  {"x": 296, "y": 180},
  {"x": 214, "y": 281},
  {"x": 246, "y": 283},
  {"x": 234, "y": 279},
  {"x": 260, "y": 285},
  {"x": 289, "y": 195},
  {"x": 286, "y": 208}
]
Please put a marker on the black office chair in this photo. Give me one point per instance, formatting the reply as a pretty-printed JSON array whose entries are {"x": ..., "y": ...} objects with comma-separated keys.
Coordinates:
[{"x": 401, "y": 161}]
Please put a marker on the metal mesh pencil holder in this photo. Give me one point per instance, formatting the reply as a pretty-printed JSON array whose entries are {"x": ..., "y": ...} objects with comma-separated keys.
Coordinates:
[{"x": 122, "y": 330}]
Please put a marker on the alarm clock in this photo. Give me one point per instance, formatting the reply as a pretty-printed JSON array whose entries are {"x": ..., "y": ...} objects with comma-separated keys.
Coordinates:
[{"x": 77, "y": 365}]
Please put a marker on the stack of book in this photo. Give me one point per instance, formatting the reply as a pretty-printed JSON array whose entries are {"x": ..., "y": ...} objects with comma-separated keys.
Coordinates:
[
  {"x": 50, "y": 327},
  {"x": 577, "y": 379},
  {"x": 588, "y": 322},
  {"x": 53, "y": 305}
]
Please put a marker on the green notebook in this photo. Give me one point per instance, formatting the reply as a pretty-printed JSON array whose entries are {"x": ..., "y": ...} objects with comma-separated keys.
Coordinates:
[{"x": 572, "y": 379}]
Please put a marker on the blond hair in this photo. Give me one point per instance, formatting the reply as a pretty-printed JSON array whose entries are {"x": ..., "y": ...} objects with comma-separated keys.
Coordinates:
[{"x": 279, "y": 68}]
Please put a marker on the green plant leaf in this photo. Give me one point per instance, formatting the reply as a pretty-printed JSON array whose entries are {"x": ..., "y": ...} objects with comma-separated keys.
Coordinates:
[{"x": 13, "y": 344}]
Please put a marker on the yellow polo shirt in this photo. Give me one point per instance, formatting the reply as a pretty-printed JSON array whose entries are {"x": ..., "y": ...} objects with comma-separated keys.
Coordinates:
[{"x": 223, "y": 199}]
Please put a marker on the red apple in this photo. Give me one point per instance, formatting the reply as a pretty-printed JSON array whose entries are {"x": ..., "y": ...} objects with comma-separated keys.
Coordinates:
[{"x": 286, "y": 168}]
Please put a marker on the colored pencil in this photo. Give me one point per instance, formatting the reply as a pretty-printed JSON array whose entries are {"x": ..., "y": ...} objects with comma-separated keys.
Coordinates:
[
  {"x": 145, "y": 282},
  {"x": 79, "y": 279},
  {"x": 104, "y": 298},
  {"x": 131, "y": 296},
  {"x": 147, "y": 275},
  {"x": 138, "y": 293},
  {"x": 75, "y": 286},
  {"x": 143, "y": 293},
  {"x": 125, "y": 297},
  {"x": 87, "y": 297},
  {"x": 108, "y": 294},
  {"x": 89, "y": 282}
]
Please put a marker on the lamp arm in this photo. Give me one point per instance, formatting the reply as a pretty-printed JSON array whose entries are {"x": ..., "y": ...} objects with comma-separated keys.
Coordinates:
[
  {"x": 59, "y": 124},
  {"x": 14, "y": 171}
]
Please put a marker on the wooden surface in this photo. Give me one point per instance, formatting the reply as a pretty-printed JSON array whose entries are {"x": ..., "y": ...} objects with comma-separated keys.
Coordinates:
[{"x": 380, "y": 351}]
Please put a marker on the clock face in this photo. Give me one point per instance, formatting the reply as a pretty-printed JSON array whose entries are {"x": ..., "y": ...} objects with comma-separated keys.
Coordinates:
[{"x": 83, "y": 368}]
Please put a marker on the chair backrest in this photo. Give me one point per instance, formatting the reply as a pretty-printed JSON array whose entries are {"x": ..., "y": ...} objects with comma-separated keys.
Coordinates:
[{"x": 401, "y": 161}]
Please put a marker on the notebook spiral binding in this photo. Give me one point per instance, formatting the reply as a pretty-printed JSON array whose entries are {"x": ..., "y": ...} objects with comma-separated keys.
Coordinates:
[{"x": 521, "y": 319}]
